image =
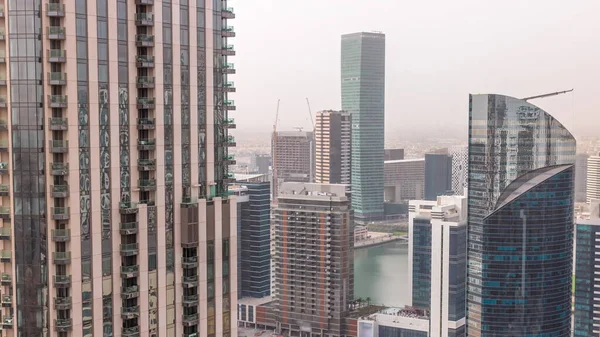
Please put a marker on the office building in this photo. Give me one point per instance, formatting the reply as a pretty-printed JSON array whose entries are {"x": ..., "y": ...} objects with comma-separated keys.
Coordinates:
[
  {"x": 521, "y": 194},
  {"x": 313, "y": 259},
  {"x": 437, "y": 252},
  {"x": 115, "y": 157},
  {"x": 593, "y": 178},
  {"x": 333, "y": 145},
  {"x": 254, "y": 255},
  {"x": 293, "y": 157},
  {"x": 393, "y": 154},
  {"x": 460, "y": 168},
  {"x": 587, "y": 285},
  {"x": 395, "y": 322},
  {"x": 261, "y": 163},
  {"x": 363, "y": 96},
  {"x": 404, "y": 180},
  {"x": 438, "y": 175},
  {"x": 581, "y": 160}
]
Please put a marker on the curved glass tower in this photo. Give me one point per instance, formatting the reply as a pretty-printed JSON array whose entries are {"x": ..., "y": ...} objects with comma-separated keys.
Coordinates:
[{"x": 520, "y": 248}]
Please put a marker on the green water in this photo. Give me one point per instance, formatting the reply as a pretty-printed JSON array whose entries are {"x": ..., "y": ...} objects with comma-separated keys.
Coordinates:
[{"x": 381, "y": 273}]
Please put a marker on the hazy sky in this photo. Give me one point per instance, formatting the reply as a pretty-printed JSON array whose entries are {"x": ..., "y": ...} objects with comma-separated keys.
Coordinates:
[{"x": 437, "y": 52}]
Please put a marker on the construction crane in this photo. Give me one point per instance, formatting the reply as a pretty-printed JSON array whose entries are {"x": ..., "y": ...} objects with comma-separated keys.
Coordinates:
[
  {"x": 274, "y": 154},
  {"x": 547, "y": 95},
  {"x": 310, "y": 112}
]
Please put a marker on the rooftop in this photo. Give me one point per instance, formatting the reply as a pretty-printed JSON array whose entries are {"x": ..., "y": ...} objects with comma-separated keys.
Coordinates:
[{"x": 398, "y": 161}]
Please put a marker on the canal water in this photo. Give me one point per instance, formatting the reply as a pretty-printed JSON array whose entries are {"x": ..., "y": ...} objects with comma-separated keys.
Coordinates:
[{"x": 381, "y": 273}]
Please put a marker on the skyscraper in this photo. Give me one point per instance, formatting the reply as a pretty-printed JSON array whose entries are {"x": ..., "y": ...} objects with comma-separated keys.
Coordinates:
[
  {"x": 460, "y": 168},
  {"x": 437, "y": 251},
  {"x": 333, "y": 145},
  {"x": 404, "y": 180},
  {"x": 581, "y": 177},
  {"x": 293, "y": 155},
  {"x": 313, "y": 259},
  {"x": 438, "y": 175},
  {"x": 593, "y": 178},
  {"x": 115, "y": 130},
  {"x": 587, "y": 285},
  {"x": 363, "y": 96},
  {"x": 521, "y": 193}
]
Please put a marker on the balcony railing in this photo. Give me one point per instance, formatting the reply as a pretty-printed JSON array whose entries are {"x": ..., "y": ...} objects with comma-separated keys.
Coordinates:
[
  {"x": 147, "y": 184},
  {"x": 145, "y": 61},
  {"x": 57, "y": 101},
  {"x": 4, "y": 212},
  {"x": 59, "y": 169},
  {"x": 57, "y": 78},
  {"x": 62, "y": 257},
  {"x": 146, "y": 144},
  {"x": 144, "y": 19},
  {"x": 56, "y": 33},
  {"x": 57, "y": 55},
  {"x": 146, "y": 164},
  {"x": 60, "y": 213},
  {"x": 145, "y": 102},
  {"x": 129, "y": 249},
  {"x": 3, "y": 101},
  {"x": 128, "y": 228},
  {"x": 5, "y": 255},
  {"x": 58, "y": 124},
  {"x": 6, "y": 279},
  {"x": 55, "y": 10},
  {"x": 128, "y": 207},
  {"x": 144, "y": 40},
  {"x": 228, "y": 31},
  {"x": 130, "y": 332},
  {"x": 145, "y": 82},
  {"x": 228, "y": 13},
  {"x": 62, "y": 280},
  {"x": 58, "y": 146},
  {"x": 60, "y": 191},
  {"x": 4, "y": 233},
  {"x": 129, "y": 270},
  {"x": 62, "y": 303},
  {"x": 146, "y": 123},
  {"x": 61, "y": 235}
]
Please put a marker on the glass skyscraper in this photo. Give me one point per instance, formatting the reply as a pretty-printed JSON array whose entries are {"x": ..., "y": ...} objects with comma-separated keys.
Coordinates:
[
  {"x": 363, "y": 95},
  {"x": 520, "y": 244}
]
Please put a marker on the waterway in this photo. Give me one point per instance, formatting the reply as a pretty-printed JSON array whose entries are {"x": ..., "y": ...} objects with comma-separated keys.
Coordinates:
[{"x": 381, "y": 273}]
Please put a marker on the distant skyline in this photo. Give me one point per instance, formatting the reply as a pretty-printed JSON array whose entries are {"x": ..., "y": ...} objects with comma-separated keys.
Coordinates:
[{"x": 438, "y": 52}]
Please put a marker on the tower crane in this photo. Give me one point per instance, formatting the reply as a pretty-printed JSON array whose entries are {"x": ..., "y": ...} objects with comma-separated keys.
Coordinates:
[
  {"x": 310, "y": 113},
  {"x": 547, "y": 95}
]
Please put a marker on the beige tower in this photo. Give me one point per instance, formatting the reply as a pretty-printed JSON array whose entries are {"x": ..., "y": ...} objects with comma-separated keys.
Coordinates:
[
  {"x": 114, "y": 119},
  {"x": 333, "y": 147}
]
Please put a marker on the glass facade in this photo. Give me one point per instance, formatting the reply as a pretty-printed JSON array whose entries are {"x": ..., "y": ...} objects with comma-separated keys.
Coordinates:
[
  {"x": 255, "y": 236},
  {"x": 586, "y": 286},
  {"x": 421, "y": 264},
  {"x": 390, "y": 331},
  {"x": 520, "y": 230},
  {"x": 438, "y": 175},
  {"x": 363, "y": 96}
]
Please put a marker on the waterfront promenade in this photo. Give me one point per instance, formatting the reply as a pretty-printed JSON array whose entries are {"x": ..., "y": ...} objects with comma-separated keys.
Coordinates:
[{"x": 376, "y": 238}]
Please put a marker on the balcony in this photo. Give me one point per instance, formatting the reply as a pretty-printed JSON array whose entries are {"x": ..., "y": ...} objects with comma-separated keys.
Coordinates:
[
  {"x": 55, "y": 10},
  {"x": 3, "y": 145},
  {"x": 144, "y": 40},
  {"x": 130, "y": 292},
  {"x": 4, "y": 168},
  {"x": 59, "y": 169},
  {"x": 228, "y": 160},
  {"x": 2, "y": 56},
  {"x": 128, "y": 228},
  {"x": 230, "y": 123},
  {"x": 5, "y": 233},
  {"x": 4, "y": 190},
  {"x": 60, "y": 213},
  {"x": 3, "y": 79},
  {"x": 189, "y": 262},
  {"x": 57, "y": 55},
  {"x": 5, "y": 256},
  {"x": 227, "y": 87},
  {"x": 133, "y": 331},
  {"x": 190, "y": 319},
  {"x": 192, "y": 334},
  {"x": 229, "y": 105},
  {"x": 1, "y": 11},
  {"x": 145, "y": 103},
  {"x": 146, "y": 164},
  {"x": 3, "y": 102},
  {"x": 190, "y": 300},
  {"x": 227, "y": 13},
  {"x": 145, "y": 82},
  {"x": 56, "y": 33},
  {"x": 2, "y": 34},
  {"x": 61, "y": 235},
  {"x": 6, "y": 301},
  {"x": 189, "y": 281},
  {"x": 59, "y": 191},
  {"x": 58, "y": 146},
  {"x": 4, "y": 212},
  {"x": 63, "y": 303},
  {"x": 57, "y": 78},
  {"x": 63, "y": 324},
  {"x": 128, "y": 207},
  {"x": 147, "y": 184},
  {"x": 130, "y": 312},
  {"x": 62, "y": 281},
  {"x": 130, "y": 271},
  {"x": 228, "y": 179},
  {"x": 6, "y": 279},
  {"x": 144, "y": 19},
  {"x": 7, "y": 323},
  {"x": 228, "y": 31},
  {"x": 227, "y": 50},
  {"x": 144, "y": 2},
  {"x": 57, "y": 101},
  {"x": 146, "y": 124},
  {"x": 61, "y": 257},
  {"x": 129, "y": 249},
  {"x": 145, "y": 61},
  {"x": 58, "y": 124},
  {"x": 228, "y": 141},
  {"x": 228, "y": 68},
  {"x": 146, "y": 144}
]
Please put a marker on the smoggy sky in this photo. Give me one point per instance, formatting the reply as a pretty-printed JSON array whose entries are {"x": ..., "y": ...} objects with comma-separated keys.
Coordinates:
[{"x": 437, "y": 52}]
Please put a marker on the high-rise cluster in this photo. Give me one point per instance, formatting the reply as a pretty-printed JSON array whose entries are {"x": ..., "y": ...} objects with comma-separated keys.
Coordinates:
[{"x": 115, "y": 209}]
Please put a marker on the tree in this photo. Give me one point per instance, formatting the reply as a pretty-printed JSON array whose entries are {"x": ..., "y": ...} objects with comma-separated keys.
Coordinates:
[{"x": 368, "y": 299}]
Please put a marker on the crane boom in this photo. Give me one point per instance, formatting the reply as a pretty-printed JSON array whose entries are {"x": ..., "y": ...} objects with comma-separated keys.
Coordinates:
[
  {"x": 547, "y": 95},
  {"x": 310, "y": 112}
]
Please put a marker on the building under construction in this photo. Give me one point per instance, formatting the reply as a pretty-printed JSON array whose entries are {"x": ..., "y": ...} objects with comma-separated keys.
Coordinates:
[{"x": 314, "y": 269}]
